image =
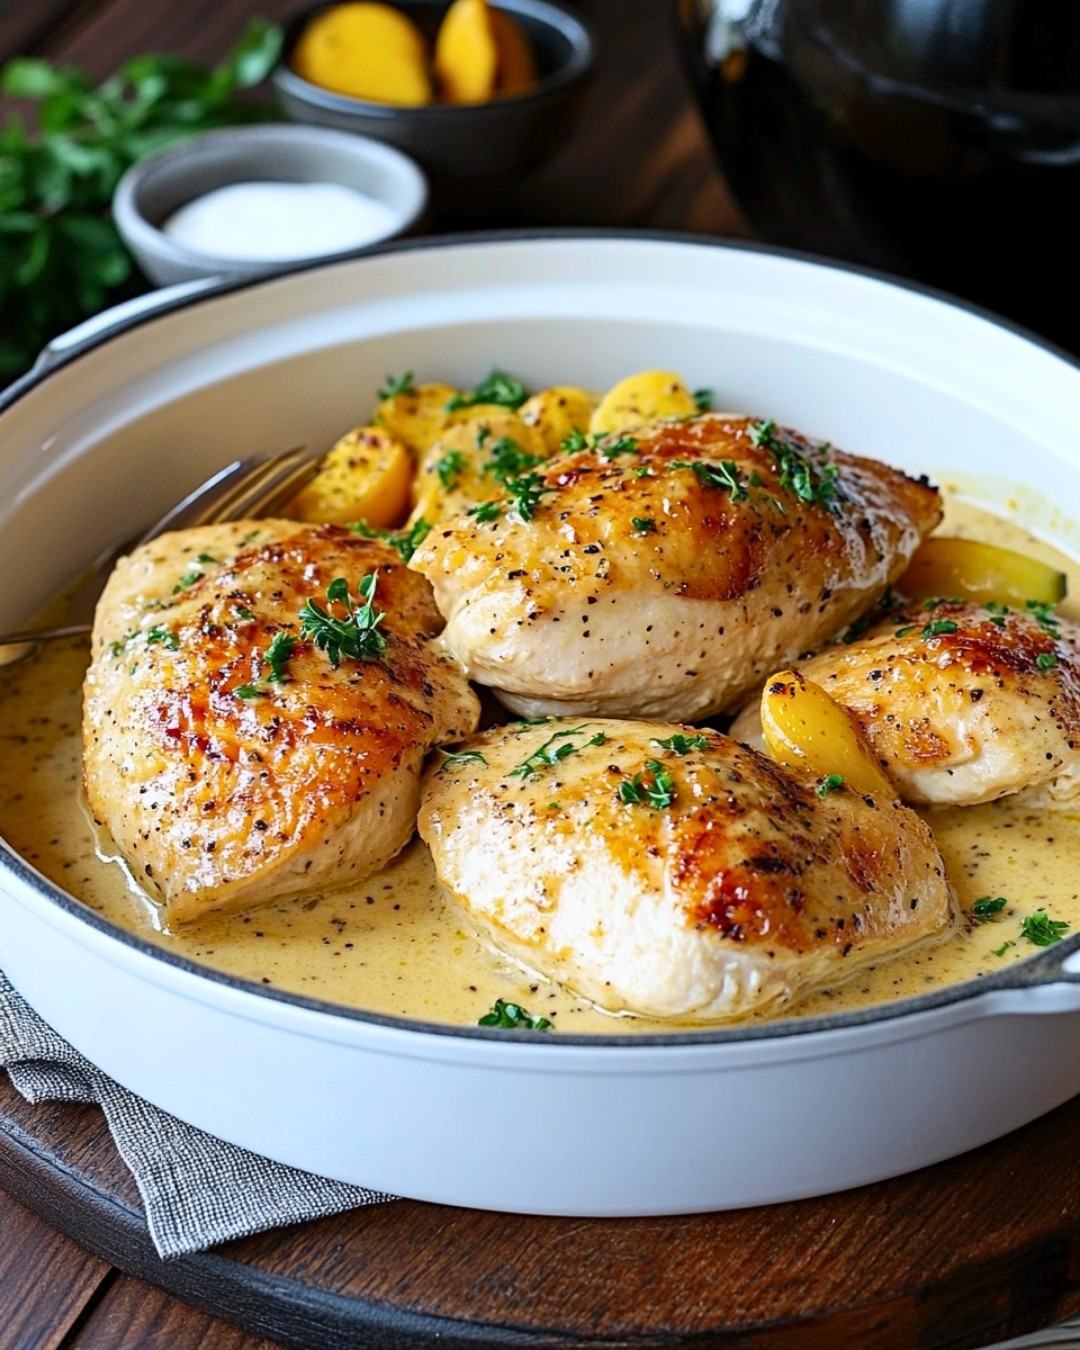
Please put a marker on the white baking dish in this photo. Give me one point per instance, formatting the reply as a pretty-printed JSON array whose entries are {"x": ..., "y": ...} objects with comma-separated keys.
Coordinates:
[{"x": 98, "y": 443}]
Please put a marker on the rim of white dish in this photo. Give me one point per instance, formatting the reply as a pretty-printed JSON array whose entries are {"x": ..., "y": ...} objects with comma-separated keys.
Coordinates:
[{"x": 1031, "y": 973}]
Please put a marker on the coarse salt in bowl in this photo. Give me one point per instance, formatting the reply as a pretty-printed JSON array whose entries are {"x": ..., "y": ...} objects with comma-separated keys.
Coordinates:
[{"x": 246, "y": 201}]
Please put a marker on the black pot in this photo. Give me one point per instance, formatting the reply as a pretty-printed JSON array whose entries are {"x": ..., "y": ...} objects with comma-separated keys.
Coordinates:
[{"x": 939, "y": 139}]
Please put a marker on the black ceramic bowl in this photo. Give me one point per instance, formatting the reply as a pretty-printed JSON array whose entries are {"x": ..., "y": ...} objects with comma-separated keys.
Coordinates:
[{"x": 463, "y": 148}]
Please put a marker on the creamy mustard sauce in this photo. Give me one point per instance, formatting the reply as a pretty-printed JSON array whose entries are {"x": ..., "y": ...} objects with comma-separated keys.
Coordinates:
[{"x": 395, "y": 945}]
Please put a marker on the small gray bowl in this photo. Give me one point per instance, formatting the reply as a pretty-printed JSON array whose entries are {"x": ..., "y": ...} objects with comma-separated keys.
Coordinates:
[
  {"x": 464, "y": 148},
  {"x": 159, "y": 185}
]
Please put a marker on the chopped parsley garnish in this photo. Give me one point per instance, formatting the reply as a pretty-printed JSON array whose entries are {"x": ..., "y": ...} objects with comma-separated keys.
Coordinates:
[
  {"x": 1044, "y": 615},
  {"x": 1046, "y": 661},
  {"x": 682, "y": 745},
  {"x": 857, "y": 629},
  {"x": 165, "y": 636},
  {"x": 621, "y": 445},
  {"x": 997, "y": 613},
  {"x": 655, "y": 787},
  {"x": 452, "y": 762},
  {"x": 508, "y": 461},
  {"x": 278, "y": 655},
  {"x": 187, "y": 581},
  {"x": 703, "y": 400},
  {"x": 987, "y": 908},
  {"x": 1000, "y": 951},
  {"x": 526, "y": 492},
  {"x": 811, "y": 481},
  {"x": 726, "y": 474},
  {"x": 643, "y": 525},
  {"x": 938, "y": 627},
  {"x": 243, "y": 613},
  {"x": 903, "y": 632},
  {"x": 486, "y": 512},
  {"x": 832, "y": 782},
  {"x": 205, "y": 558},
  {"x": 601, "y": 441},
  {"x": 405, "y": 542},
  {"x": 498, "y": 388},
  {"x": 555, "y": 749},
  {"x": 397, "y": 384},
  {"x": 1043, "y": 931},
  {"x": 449, "y": 468},
  {"x": 356, "y": 635},
  {"x": 512, "y": 1017}
]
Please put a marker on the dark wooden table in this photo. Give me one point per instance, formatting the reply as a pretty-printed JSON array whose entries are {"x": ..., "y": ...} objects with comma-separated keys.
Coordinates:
[{"x": 964, "y": 1253}]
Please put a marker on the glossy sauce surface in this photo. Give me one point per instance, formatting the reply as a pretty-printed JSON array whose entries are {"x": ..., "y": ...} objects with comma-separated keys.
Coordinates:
[{"x": 393, "y": 945}]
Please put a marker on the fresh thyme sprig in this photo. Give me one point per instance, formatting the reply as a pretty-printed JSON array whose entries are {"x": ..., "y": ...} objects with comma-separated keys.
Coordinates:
[
  {"x": 404, "y": 542},
  {"x": 555, "y": 749},
  {"x": 356, "y": 635}
]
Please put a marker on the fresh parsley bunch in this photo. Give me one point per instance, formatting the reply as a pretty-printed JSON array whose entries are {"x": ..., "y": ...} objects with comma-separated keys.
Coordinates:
[{"x": 61, "y": 259}]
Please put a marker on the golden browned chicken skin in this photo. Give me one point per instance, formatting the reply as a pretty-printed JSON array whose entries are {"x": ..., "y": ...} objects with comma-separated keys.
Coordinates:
[
  {"x": 961, "y": 703},
  {"x": 668, "y": 572},
  {"x": 224, "y": 786},
  {"x": 671, "y": 871}
]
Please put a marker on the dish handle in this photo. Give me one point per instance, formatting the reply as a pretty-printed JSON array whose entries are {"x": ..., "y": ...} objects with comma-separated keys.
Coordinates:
[
  {"x": 114, "y": 320},
  {"x": 1051, "y": 984}
]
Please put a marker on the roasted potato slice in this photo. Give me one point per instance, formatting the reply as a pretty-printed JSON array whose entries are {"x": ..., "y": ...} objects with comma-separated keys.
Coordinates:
[
  {"x": 805, "y": 729},
  {"x": 366, "y": 476},
  {"x": 418, "y": 416},
  {"x": 472, "y": 461},
  {"x": 646, "y": 397},
  {"x": 944, "y": 566},
  {"x": 558, "y": 411}
]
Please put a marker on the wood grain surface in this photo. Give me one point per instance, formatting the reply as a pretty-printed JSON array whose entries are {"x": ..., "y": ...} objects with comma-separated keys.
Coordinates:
[{"x": 953, "y": 1258}]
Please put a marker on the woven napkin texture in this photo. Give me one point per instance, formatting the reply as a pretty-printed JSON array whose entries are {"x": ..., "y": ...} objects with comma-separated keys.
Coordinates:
[{"x": 196, "y": 1190}]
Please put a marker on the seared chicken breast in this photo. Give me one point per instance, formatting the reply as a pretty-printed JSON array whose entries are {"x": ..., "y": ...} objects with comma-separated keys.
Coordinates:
[
  {"x": 237, "y": 753},
  {"x": 665, "y": 573},
  {"x": 961, "y": 703},
  {"x": 671, "y": 871}
]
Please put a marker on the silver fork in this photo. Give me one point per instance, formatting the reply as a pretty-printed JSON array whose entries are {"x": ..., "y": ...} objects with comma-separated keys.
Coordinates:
[{"x": 251, "y": 487}]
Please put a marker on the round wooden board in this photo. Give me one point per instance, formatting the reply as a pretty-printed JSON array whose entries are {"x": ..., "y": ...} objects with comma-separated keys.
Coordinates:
[{"x": 971, "y": 1251}]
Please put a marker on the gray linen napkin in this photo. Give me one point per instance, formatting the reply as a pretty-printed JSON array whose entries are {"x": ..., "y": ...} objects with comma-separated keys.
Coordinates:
[{"x": 196, "y": 1190}]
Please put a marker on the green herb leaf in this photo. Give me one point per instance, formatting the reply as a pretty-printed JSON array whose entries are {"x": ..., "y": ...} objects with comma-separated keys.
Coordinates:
[
  {"x": 726, "y": 474},
  {"x": 165, "y": 636},
  {"x": 555, "y": 749},
  {"x": 512, "y": 1017},
  {"x": 643, "y": 525},
  {"x": 249, "y": 691},
  {"x": 987, "y": 908},
  {"x": 508, "y": 461},
  {"x": 526, "y": 492},
  {"x": 485, "y": 512},
  {"x": 404, "y": 542},
  {"x": 939, "y": 627},
  {"x": 396, "y": 384},
  {"x": 654, "y": 787},
  {"x": 808, "y": 477},
  {"x": 278, "y": 654},
  {"x": 1044, "y": 615},
  {"x": 703, "y": 400},
  {"x": 832, "y": 782},
  {"x": 450, "y": 468},
  {"x": 498, "y": 388},
  {"x": 1046, "y": 661},
  {"x": 356, "y": 635},
  {"x": 1040, "y": 929},
  {"x": 452, "y": 762},
  {"x": 682, "y": 745},
  {"x": 187, "y": 581}
]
